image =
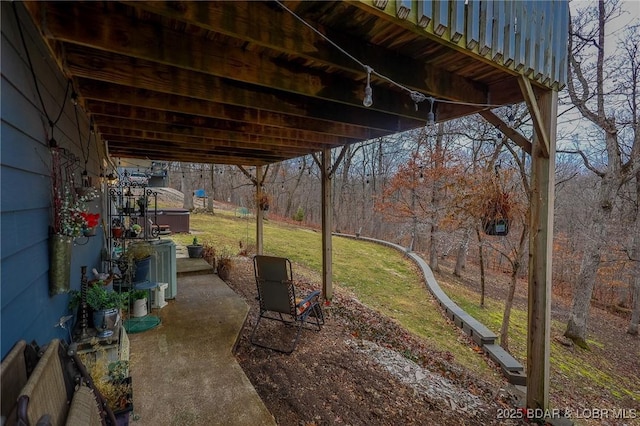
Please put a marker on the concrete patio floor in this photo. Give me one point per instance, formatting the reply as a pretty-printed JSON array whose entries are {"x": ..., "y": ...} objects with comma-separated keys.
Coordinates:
[{"x": 184, "y": 371}]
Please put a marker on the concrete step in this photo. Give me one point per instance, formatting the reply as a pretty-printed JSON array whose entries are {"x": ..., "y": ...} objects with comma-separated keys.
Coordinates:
[{"x": 186, "y": 267}]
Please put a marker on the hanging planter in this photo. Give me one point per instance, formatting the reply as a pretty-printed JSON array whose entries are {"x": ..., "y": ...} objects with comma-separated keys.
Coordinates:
[
  {"x": 264, "y": 202},
  {"x": 496, "y": 216},
  {"x": 60, "y": 247}
]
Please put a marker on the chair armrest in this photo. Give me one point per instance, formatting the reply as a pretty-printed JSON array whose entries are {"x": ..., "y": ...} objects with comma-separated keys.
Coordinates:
[
  {"x": 310, "y": 296},
  {"x": 303, "y": 305}
]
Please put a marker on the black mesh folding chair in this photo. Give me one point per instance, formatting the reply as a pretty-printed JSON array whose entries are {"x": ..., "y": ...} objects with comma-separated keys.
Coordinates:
[{"x": 278, "y": 301}]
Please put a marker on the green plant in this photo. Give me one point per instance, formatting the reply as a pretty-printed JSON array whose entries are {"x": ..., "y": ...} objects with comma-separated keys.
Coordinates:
[
  {"x": 138, "y": 251},
  {"x": 195, "y": 241},
  {"x": 142, "y": 201},
  {"x": 99, "y": 298},
  {"x": 111, "y": 379},
  {"x": 299, "y": 215},
  {"x": 137, "y": 295}
]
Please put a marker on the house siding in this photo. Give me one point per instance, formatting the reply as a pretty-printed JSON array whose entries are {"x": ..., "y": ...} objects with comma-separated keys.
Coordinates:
[{"x": 27, "y": 310}]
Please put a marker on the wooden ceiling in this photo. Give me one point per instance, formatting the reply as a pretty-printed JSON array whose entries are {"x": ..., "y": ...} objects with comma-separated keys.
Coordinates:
[{"x": 248, "y": 83}]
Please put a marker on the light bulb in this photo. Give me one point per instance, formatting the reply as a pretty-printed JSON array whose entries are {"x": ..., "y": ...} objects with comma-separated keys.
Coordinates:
[
  {"x": 368, "y": 92},
  {"x": 368, "y": 97},
  {"x": 431, "y": 118}
]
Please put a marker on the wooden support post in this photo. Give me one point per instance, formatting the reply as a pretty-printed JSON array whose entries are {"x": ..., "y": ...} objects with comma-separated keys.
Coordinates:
[
  {"x": 259, "y": 213},
  {"x": 537, "y": 116},
  {"x": 327, "y": 224},
  {"x": 540, "y": 248}
]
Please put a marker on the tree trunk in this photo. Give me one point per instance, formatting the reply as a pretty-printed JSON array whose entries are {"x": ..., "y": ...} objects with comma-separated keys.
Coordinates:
[
  {"x": 186, "y": 186},
  {"x": 578, "y": 318},
  {"x": 482, "y": 275},
  {"x": 461, "y": 258},
  {"x": 516, "y": 264},
  {"x": 506, "y": 316},
  {"x": 635, "y": 256},
  {"x": 433, "y": 248},
  {"x": 635, "y": 315}
]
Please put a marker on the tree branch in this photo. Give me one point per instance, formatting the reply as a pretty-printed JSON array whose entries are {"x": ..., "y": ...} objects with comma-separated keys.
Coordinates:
[{"x": 585, "y": 160}]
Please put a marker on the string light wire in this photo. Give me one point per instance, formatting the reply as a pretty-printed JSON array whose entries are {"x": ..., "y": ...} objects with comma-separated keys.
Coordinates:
[{"x": 416, "y": 96}]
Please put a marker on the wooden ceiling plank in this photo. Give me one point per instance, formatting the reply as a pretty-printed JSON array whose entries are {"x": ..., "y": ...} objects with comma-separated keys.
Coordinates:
[
  {"x": 178, "y": 62},
  {"x": 113, "y": 94},
  {"x": 265, "y": 144},
  {"x": 268, "y": 27},
  {"x": 210, "y": 88},
  {"x": 131, "y": 117},
  {"x": 142, "y": 148}
]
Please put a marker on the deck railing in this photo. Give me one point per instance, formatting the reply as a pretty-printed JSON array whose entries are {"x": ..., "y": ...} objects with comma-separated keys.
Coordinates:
[{"x": 529, "y": 37}]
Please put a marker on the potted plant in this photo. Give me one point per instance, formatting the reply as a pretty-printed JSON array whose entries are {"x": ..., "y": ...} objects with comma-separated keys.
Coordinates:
[
  {"x": 106, "y": 305},
  {"x": 264, "y": 201},
  {"x": 112, "y": 381},
  {"x": 136, "y": 229},
  {"x": 137, "y": 260},
  {"x": 92, "y": 219},
  {"x": 195, "y": 249},
  {"x": 225, "y": 263},
  {"x": 138, "y": 302},
  {"x": 142, "y": 202},
  {"x": 116, "y": 228}
]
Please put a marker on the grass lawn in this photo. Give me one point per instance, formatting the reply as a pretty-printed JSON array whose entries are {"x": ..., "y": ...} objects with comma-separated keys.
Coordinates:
[
  {"x": 385, "y": 280},
  {"x": 380, "y": 277}
]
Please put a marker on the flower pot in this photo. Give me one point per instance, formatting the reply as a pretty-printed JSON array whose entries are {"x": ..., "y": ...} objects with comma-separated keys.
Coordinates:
[
  {"x": 89, "y": 232},
  {"x": 122, "y": 413},
  {"x": 116, "y": 232},
  {"x": 139, "y": 308},
  {"x": 141, "y": 271},
  {"x": 195, "y": 251},
  {"x": 105, "y": 321},
  {"x": 59, "y": 264}
]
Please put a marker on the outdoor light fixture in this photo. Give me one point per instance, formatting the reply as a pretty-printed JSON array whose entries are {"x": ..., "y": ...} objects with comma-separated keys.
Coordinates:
[
  {"x": 85, "y": 178},
  {"x": 417, "y": 97},
  {"x": 431, "y": 117},
  {"x": 111, "y": 178},
  {"x": 380, "y": 4},
  {"x": 368, "y": 92}
]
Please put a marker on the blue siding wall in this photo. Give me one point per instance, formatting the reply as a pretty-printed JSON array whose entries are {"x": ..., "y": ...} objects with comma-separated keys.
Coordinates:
[{"x": 27, "y": 310}]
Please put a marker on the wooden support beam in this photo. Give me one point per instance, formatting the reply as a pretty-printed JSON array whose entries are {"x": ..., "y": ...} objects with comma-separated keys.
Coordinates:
[
  {"x": 512, "y": 134},
  {"x": 327, "y": 225},
  {"x": 536, "y": 115},
  {"x": 540, "y": 252},
  {"x": 170, "y": 77},
  {"x": 109, "y": 99},
  {"x": 259, "y": 212},
  {"x": 263, "y": 25}
]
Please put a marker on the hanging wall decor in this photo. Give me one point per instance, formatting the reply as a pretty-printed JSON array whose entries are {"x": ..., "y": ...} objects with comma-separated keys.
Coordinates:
[{"x": 59, "y": 263}]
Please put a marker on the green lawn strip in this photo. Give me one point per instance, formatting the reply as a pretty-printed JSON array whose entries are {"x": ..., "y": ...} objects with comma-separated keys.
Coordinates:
[{"x": 578, "y": 366}]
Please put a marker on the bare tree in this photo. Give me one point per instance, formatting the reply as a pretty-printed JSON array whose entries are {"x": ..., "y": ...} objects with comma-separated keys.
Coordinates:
[
  {"x": 635, "y": 257},
  {"x": 601, "y": 104}
]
